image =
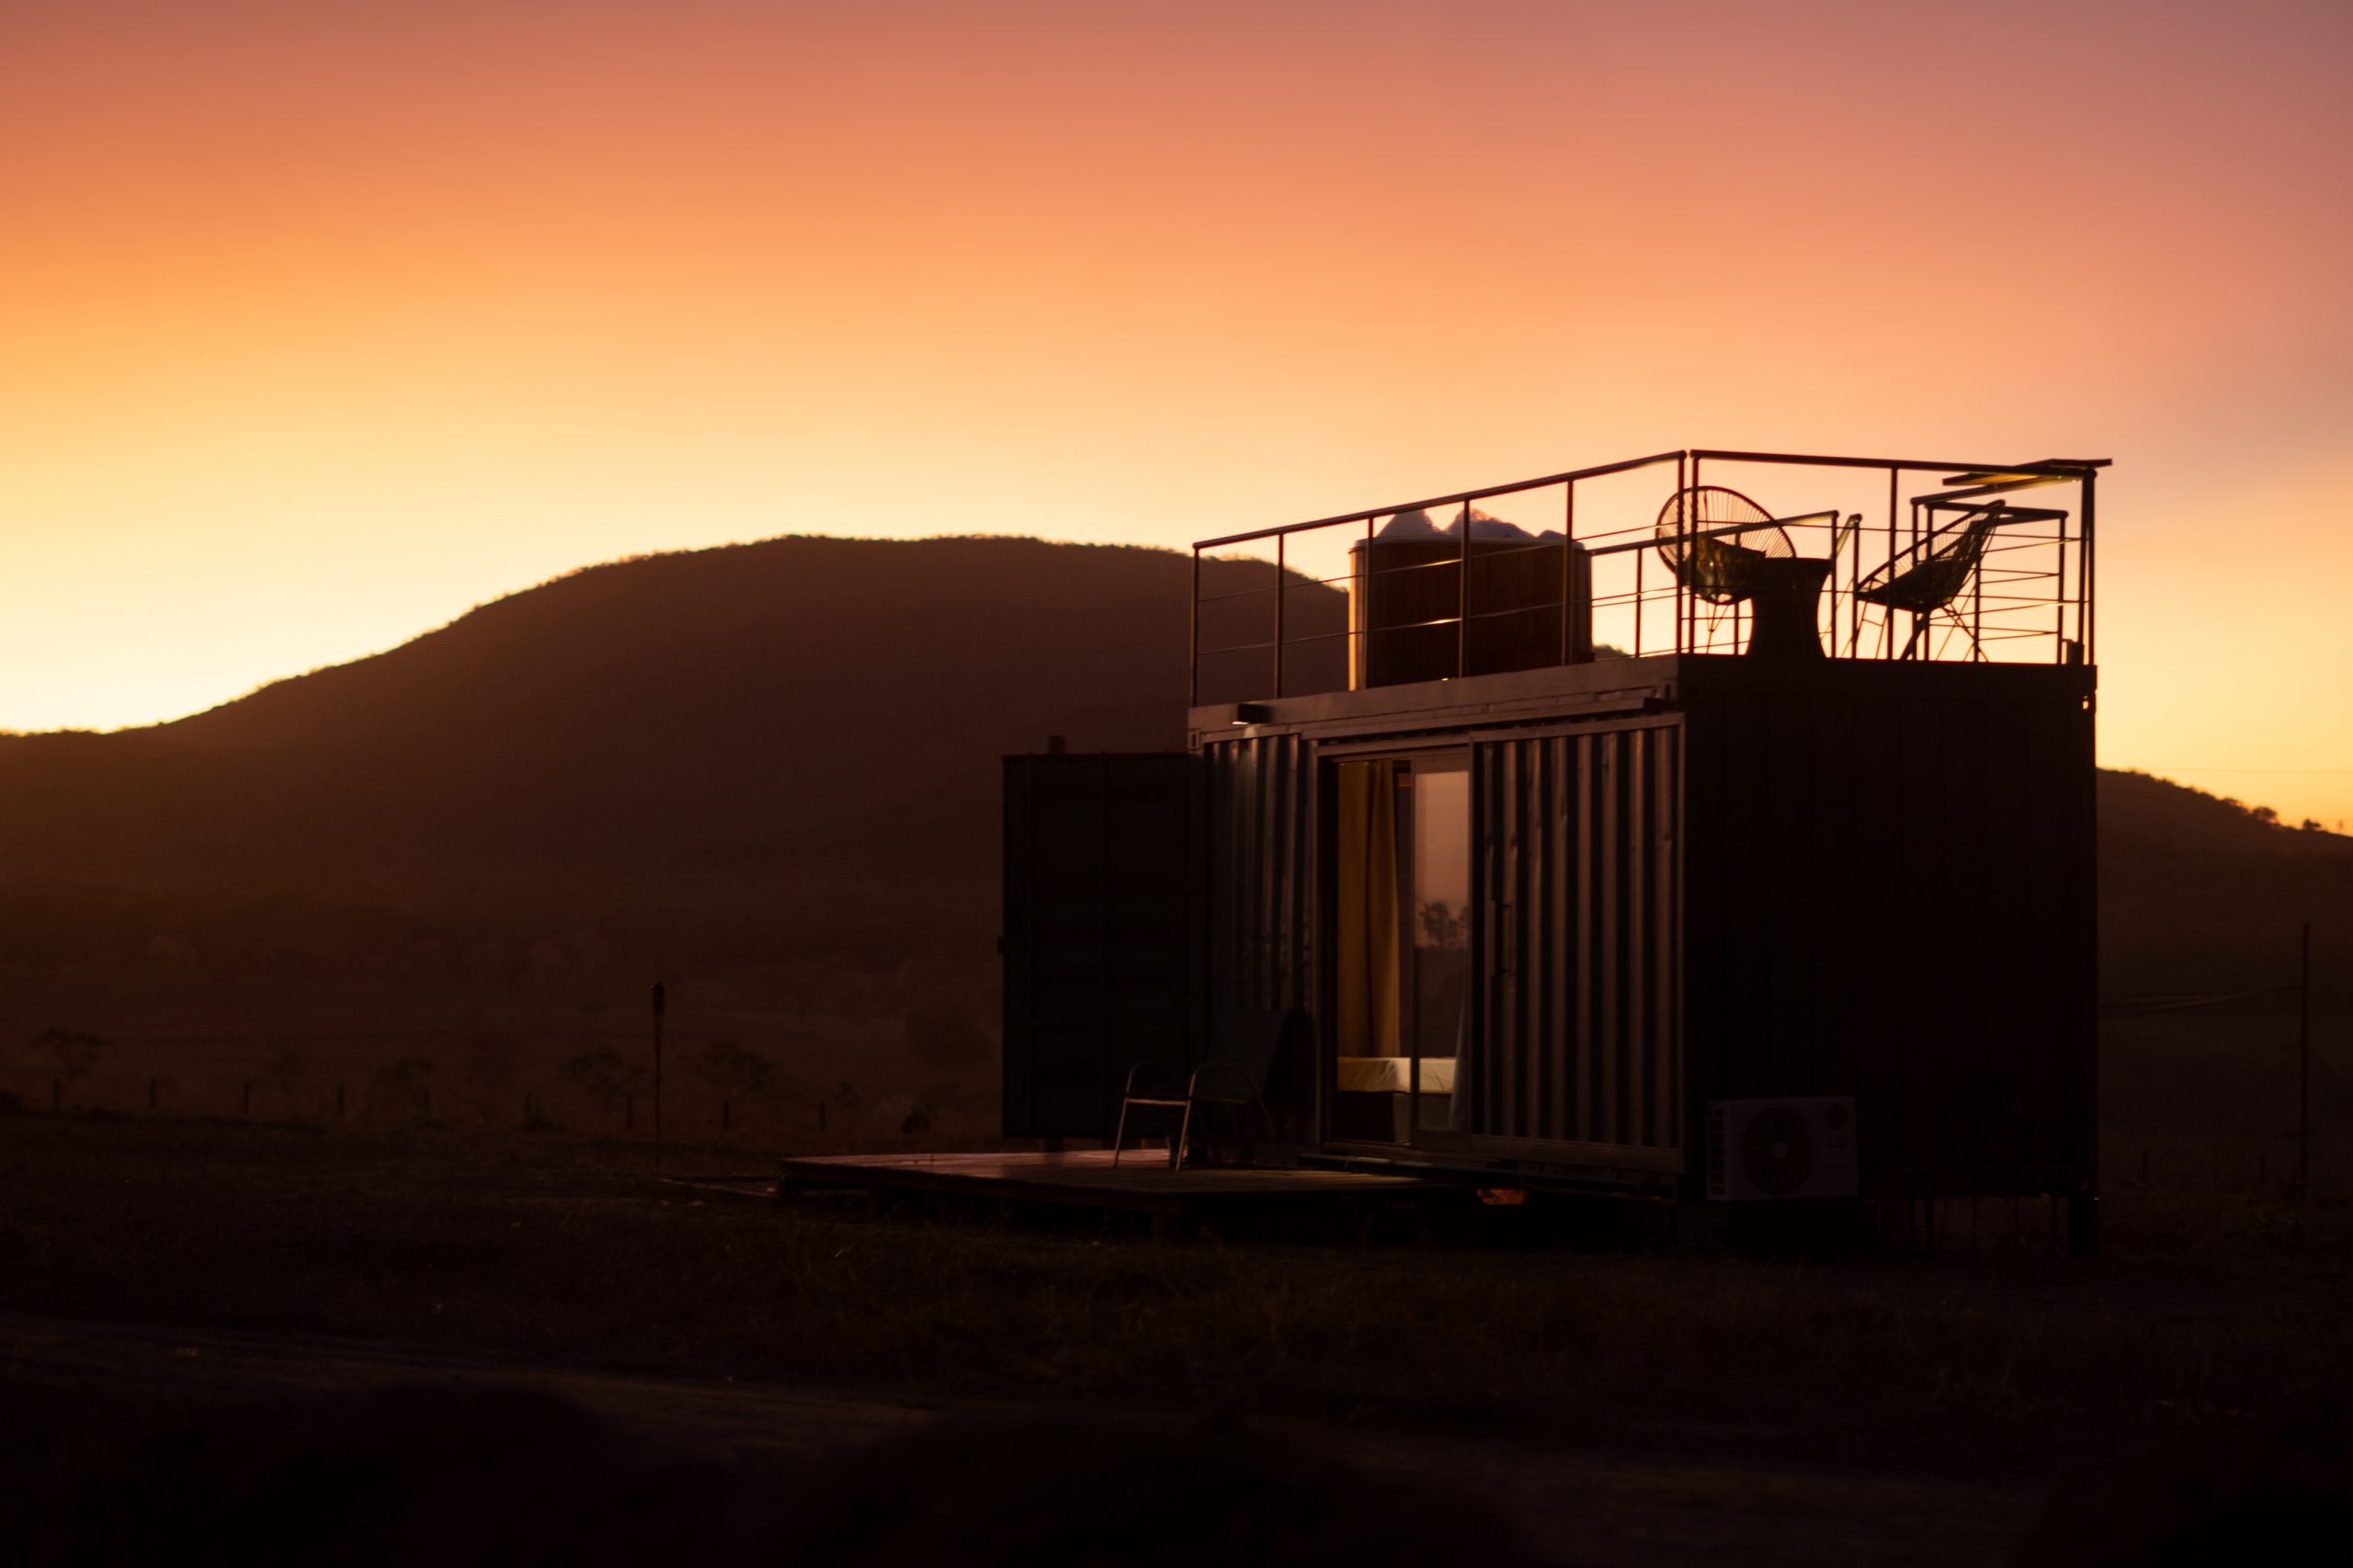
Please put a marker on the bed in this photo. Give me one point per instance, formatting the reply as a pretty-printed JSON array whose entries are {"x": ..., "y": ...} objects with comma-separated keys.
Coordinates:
[
  {"x": 1392, "y": 1074},
  {"x": 1375, "y": 1102}
]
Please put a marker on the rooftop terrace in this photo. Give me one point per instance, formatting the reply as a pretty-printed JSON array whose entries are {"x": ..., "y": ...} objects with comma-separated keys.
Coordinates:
[{"x": 1762, "y": 554}]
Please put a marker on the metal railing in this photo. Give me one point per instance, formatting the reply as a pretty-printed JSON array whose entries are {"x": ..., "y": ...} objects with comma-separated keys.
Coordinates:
[{"x": 1571, "y": 567}]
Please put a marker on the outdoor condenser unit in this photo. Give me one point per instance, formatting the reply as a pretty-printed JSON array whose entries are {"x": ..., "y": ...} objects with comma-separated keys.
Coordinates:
[{"x": 1785, "y": 1148}]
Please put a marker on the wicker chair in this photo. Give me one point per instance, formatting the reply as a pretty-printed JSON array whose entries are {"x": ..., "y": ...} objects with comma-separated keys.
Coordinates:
[{"x": 1719, "y": 569}]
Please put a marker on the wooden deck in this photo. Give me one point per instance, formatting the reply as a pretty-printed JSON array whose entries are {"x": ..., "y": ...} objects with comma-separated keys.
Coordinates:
[{"x": 1141, "y": 1182}]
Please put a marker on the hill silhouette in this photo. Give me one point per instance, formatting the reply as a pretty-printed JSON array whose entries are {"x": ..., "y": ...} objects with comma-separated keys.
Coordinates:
[
  {"x": 741, "y": 760},
  {"x": 782, "y": 752},
  {"x": 2203, "y": 893},
  {"x": 800, "y": 707}
]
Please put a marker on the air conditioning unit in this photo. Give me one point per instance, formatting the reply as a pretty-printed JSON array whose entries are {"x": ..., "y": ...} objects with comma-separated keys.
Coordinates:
[{"x": 1789, "y": 1148}]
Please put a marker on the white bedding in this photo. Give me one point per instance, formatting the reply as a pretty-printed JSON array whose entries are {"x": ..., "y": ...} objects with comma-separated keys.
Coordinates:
[{"x": 1387, "y": 1074}]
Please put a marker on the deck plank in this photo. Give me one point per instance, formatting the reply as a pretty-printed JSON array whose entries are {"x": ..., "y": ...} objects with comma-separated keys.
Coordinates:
[{"x": 1089, "y": 1177}]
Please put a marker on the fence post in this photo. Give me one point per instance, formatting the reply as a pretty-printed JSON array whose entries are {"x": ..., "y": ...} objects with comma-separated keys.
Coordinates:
[
  {"x": 2304, "y": 1069},
  {"x": 661, "y": 996}
]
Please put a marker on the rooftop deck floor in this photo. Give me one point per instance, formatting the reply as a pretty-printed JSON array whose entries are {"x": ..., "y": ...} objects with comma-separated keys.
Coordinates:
[{"x": 1141, "y": 1181}]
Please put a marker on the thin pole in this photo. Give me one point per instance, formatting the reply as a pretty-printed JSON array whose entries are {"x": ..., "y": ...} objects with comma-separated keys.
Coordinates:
[
  {"x": 1977, "y": 611},
  {"x": 2059, "y": 601},
  {"x": 1637, "y": 608},
  {"x": 1691, "y": 524},
  {"x": 1682, "y": 521},
  {"x": 1463, "y": 602},
  {"x": 1193, "y": 637},
  {"x": 2088, "y": 611},
  {"x": 2304, "y": 1070},
  {"x": 1280, "y": 540},
  {"x": 1568, "y": 567},
  {"x": 661, "y": 995},
  {"x": 1887, "y": 616},
  {"x": 1854, "y": 584}
]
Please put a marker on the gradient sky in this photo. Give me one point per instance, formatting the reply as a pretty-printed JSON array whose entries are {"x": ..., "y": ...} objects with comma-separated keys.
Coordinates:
[{"x": 321, "y": 322}]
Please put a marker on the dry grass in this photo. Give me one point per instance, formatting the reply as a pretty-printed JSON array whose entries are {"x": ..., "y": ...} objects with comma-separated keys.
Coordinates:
[{"x": 549, "y": 1249}]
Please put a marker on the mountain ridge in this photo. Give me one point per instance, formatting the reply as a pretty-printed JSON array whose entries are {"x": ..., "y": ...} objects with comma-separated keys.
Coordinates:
[{"x": 707, "y": 738}]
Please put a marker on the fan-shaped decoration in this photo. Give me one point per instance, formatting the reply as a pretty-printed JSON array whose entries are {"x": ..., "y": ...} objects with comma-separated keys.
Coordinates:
[
  {"x": 1718, "y": 570},
  {"x": 1776, "y": 1150}
]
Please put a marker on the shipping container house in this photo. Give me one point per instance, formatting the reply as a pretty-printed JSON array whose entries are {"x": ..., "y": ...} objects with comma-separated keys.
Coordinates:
[{"x": 1726, "y": 848}]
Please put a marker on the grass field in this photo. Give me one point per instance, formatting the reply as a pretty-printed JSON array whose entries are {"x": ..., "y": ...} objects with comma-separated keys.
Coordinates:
[
  {"x": 2205, "y": 1310},
  {"x": 743, "y": 1076},
  {"x": 2210, "y": 1317}
]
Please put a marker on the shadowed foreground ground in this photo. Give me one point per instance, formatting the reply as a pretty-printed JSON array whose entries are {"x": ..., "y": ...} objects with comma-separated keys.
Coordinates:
[{"x": 381, "y": 1348}]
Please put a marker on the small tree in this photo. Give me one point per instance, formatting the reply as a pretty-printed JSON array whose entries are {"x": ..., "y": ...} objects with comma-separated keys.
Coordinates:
[
  {"x": 69, "y": 1054},
  {"x": 1442, "y": 926},
  {"x": 405, "y": 1085},
  {"x": 734, "y": 1072},
  {"x": 491, "y": 1062},
  {"x": 288, "y": 1068},
  {"x": 606, "y": 1076}
]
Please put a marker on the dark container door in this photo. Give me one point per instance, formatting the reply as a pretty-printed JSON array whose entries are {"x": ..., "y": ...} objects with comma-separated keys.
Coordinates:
[
  {"x": 1579, "y": 1034},
  {"x": 1100, "y": 947}
]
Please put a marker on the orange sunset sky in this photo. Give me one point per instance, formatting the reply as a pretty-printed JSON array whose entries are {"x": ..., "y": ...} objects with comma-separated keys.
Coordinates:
[{"x": 321, "y": 322}]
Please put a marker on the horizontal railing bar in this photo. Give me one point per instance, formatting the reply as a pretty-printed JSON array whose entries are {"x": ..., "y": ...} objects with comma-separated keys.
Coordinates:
[
  {"x": 1460, "y": 498},
  {"x": 1237, "y": 594},
  {"x": 2059, "y": 470},
  {"x": 1801, "y": 520},
  {"x": 2007, "y": 514}
]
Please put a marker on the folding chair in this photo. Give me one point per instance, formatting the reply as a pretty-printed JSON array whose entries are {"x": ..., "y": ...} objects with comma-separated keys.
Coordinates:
[{"x": 1240, "y": 1055}]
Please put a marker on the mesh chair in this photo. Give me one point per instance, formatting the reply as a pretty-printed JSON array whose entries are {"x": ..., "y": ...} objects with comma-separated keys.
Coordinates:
[{"x": 1933, "y": 573}]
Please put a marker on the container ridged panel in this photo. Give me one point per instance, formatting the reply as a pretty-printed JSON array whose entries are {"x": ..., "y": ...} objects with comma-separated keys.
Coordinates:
[
  {"x": 1262, "y": 875},
  {"x": 1579, "y": 1042}
]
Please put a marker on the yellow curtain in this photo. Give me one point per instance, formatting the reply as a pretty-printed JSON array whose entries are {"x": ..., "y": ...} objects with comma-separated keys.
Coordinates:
[{"x": 1368, "y": 935}]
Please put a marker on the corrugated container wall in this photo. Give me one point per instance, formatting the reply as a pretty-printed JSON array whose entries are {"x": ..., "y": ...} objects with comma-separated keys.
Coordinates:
[
  {"x": 1577, "y": 1035},
  {"x": 1261, "y": 875}
]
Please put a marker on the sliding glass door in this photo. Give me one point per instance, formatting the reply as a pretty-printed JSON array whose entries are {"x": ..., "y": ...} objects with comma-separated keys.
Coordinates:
[{"x": 1401, "y": 888}]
